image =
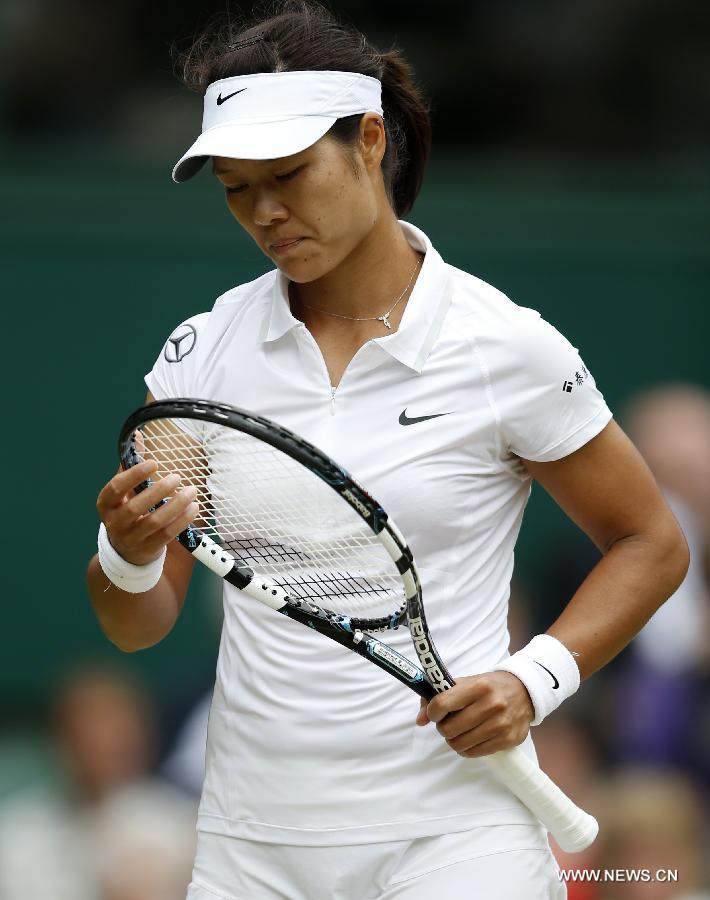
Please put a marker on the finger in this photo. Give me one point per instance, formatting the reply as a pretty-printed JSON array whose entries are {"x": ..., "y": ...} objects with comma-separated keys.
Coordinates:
[
  {"x": 121, "y": 521},
  {"x": 494, "y": 745},
  {"x": 422, "y": 717},
  {"x": 139, "y": 518},
  {"x": 113, "y": 493},
  {"x": 140, "y": 504},
  {"x": 165, "y": 516},
  {"x": 145, "y": 539},
  {"x": 462, "y": 722},
  {"x": 462, "y": 694},
  {"x": 155, "y": 542},
  {"x": 501, "y": 729}
]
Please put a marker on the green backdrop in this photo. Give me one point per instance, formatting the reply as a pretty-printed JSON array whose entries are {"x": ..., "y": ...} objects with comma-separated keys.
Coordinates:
[{"x": 100, "y": 260}]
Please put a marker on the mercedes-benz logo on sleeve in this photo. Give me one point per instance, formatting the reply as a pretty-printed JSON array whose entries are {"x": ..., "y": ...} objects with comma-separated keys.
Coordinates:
[{"x": 180, "y": 343}]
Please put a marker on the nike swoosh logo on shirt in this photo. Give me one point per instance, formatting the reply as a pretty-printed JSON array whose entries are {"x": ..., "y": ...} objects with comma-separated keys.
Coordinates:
[
  {"x": 405, "y": 420},
  {"x": 556, "y": 682},
  {"x": 221, "y": 99}
]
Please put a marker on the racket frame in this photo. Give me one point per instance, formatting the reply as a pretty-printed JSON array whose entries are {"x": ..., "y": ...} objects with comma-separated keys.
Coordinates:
[
  {"x": 573, "y": 828},
  {"x": 348, "y": 631}
]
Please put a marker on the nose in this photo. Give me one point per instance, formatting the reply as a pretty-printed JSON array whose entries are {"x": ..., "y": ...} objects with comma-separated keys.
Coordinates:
[{"x": 269, "y": 209}]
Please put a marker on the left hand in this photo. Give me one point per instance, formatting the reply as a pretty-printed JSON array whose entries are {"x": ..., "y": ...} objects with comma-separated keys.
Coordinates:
[{"x": 481, "y": 714}]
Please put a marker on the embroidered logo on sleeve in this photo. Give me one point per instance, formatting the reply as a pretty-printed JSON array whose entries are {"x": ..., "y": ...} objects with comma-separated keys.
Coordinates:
[
  {"x": 180, "y": 343},
  {"x": 579, "y": 379}
]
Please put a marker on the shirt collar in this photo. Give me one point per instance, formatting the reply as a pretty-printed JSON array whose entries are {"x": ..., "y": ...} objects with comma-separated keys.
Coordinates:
[{"x": 423, "y": 315}]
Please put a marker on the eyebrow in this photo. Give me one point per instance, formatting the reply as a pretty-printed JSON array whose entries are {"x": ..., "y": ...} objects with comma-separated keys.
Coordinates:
[
  {"x": 225, "y": 173},
  {"x": 276, "y": 163},
  {"x": 216, "y": 171}
]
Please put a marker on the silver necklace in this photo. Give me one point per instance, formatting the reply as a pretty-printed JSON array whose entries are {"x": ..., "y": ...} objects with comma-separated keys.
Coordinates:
[{"x": 384, "y": 318}]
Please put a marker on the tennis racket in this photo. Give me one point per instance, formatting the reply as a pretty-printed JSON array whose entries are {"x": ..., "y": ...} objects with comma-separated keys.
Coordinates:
[{"x": 283, "y": 523}]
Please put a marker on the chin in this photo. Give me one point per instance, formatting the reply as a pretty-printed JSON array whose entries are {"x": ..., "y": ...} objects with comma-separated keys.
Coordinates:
[{"x": 301, "y": 271}]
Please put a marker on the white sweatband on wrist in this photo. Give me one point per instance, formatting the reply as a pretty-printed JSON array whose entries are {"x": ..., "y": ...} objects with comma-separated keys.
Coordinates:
[
  {"x": 127, "y": 576},
  {"x": 547, "y": 669}
]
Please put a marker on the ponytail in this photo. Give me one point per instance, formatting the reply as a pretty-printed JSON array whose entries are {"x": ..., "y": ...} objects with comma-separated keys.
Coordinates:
[{"x": 408, "y": 131}]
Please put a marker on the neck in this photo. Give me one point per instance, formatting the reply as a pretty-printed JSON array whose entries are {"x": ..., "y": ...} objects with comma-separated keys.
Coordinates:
[{"x": 367, "y": 282}]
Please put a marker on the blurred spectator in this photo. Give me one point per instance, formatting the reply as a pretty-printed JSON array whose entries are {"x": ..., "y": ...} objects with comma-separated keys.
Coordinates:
[
  {"x": 662, "y": 694},
  {"x": 653, "y": 820},
  {"x": 107, "y": 830},
  {"x": 185, "y": 763},
  {"x": 671, "y": 427},
  {"x": 146, "y": 845}
]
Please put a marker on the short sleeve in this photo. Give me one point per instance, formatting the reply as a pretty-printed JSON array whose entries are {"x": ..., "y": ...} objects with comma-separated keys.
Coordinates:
[
  {"x": 176, "y": 370},
  {"x": 549, "y": 403}
]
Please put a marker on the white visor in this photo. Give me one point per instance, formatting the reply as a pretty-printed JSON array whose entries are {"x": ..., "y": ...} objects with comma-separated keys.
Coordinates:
[{"x": 275, "y": 114}]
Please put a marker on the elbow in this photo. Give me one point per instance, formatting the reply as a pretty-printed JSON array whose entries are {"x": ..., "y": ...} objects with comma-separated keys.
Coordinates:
[
  {"x": 132, "y": 643},
  {"x": 673, "y": 556},
  {"x": 133, "y": 646},
  {"x": 682, "y": 559},
  {"x": 120, "y": 642},
  {"x": 126, "y": 648}
]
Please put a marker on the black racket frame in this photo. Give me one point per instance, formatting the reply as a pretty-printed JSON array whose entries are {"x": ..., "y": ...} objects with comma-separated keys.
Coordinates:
[{"x": 350, "y": 632}]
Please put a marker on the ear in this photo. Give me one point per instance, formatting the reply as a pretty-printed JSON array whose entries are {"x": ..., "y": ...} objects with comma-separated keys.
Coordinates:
[{"x": 373, "y": 142}]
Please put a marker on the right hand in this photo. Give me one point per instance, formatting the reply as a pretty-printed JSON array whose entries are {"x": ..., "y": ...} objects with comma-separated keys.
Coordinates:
[{"x": 137, "y": 534}]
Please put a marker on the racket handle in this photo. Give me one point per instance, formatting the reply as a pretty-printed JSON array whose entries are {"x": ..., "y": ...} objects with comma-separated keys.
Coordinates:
[{"x": 572, "y": 827}]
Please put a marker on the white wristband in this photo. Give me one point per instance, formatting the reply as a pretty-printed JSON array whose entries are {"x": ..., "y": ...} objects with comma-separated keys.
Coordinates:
[
  {"x": 127, "y": 576},
  {"x": 548, "y": 670}
]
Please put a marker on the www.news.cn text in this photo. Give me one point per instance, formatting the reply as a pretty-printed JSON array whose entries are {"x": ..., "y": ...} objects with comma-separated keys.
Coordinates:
[{"x": 668, "y": 876}]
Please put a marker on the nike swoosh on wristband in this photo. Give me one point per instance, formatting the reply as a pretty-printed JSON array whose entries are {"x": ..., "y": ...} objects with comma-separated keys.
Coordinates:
[
  {"x": 405, "y": 420},
  {"x": 556, "y": 684},
  {"x": 221, "y": 99}
]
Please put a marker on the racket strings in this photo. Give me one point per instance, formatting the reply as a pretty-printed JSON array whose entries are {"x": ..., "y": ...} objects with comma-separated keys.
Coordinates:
[{"x": 276, "y": 516}]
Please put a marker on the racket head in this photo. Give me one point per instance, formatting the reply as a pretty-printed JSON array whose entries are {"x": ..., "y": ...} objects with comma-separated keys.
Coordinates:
[{"x": 281, "y": 507}]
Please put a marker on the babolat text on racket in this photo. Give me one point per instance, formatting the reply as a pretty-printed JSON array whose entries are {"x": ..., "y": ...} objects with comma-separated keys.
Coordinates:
[{"x": 283, "y": 523}]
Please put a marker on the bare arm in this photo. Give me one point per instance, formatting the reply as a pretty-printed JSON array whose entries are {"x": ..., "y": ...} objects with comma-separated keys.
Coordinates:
[
  {"x": 607, "y": 489},
  {"x": 135, "y": 621}
]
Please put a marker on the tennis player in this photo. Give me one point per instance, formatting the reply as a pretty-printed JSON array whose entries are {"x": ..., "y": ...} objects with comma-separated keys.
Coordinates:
[{"x": 445, "y": 399}]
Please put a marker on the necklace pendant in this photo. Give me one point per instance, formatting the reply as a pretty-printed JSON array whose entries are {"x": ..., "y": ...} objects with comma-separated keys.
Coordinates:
[{"x": 385, "y": 320}]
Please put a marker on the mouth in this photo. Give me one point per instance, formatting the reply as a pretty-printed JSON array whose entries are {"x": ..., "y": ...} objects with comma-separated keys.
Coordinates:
[{"x": 286, "y": 246}]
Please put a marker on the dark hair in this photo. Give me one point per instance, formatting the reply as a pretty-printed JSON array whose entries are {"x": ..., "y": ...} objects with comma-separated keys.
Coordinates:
[{"x": 301, "y": 35}]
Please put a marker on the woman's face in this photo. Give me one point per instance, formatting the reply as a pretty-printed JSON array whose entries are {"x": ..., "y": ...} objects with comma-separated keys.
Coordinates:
[{"x": 313, "y": 196}]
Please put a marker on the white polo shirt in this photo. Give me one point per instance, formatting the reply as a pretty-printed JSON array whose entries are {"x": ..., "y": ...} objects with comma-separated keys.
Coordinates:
[{"x": 308, "y": 744}]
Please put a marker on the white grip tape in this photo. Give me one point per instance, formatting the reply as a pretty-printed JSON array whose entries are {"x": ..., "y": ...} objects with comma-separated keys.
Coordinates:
[
  {"x": 221, "y": 561},
  {"x": 266, "y": 592},
  {"x": 572, "y": 827},
  {"x": 215, "y": 557}
]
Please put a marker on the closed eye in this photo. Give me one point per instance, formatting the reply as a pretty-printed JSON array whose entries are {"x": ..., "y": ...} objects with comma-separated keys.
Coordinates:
[
  {"x": 242, "y": 187},
  {"x": 289, "y": 175}
]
